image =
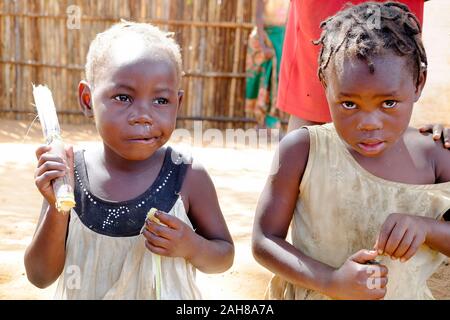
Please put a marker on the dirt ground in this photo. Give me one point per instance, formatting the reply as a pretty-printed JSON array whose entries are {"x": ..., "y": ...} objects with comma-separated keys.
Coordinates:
[{"x": 20, "y": 201}]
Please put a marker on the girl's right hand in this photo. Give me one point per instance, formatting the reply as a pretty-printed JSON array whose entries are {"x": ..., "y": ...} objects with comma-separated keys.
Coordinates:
[
  {"x": 356, "y": 279},
  {"x": 51, "y": 166}
]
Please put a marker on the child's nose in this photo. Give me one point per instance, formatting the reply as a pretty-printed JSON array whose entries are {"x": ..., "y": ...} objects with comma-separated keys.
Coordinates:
[
  {"x": 370, "y": 121},
  {"x": 141, "y": 114}
]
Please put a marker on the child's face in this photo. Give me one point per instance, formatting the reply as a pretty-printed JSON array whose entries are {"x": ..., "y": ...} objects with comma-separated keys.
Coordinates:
[
  {"x": 135, "y": 102},
  {"x": 372, "y": 111}
]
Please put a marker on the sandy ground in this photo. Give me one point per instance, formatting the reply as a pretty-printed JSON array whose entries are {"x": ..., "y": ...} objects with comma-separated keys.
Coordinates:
[{"x": 20, "y": 201}]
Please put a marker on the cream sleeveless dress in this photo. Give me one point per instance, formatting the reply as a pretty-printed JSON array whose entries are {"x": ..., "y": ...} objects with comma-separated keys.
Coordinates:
[
  {"x": 340, "y": 209},
  {"x": 110, "y": 266}
]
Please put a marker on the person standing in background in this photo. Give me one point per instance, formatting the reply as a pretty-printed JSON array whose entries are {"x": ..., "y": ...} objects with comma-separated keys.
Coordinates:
[
  {"x": 300, "y": 92},
  {"x": 263, "y": 62}
]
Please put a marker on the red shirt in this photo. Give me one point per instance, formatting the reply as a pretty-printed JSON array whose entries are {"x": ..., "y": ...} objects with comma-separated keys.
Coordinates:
[{"x": 300, "y": 92}]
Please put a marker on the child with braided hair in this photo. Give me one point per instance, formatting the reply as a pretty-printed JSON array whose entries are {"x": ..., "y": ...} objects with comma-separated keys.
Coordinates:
[
  {"x": 366, "y": 196},
  {"x": 300, "y": 94},
  {"x": 263, "y": 57}
]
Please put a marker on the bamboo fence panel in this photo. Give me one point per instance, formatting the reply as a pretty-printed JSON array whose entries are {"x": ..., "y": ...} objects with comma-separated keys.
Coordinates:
[{"x": 37, "y": 46}]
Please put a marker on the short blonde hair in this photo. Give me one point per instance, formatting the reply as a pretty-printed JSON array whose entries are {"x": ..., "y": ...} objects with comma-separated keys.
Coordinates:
[{"x": 152, "y": 37}]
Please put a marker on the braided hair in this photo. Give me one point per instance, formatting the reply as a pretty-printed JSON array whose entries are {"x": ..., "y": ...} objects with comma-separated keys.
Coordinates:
[{"x": 369, "y": 29}]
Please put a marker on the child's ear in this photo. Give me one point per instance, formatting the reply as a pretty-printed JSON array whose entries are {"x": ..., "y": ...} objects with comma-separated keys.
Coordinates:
[
  {"x": 85, "y": 98},
  {"x": 420, "y": 84},
  {"x": 180, "y": 98}
]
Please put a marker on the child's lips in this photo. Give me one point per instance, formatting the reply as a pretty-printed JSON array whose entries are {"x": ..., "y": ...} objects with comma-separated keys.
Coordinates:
[
  {"x": 143, "y": 139},
  {"x": 372, "y": 146}
]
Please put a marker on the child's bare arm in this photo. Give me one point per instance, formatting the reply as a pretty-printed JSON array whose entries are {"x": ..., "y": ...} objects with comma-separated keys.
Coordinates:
[
  {"x": 402, "y": 234},
  {"x": 45, "y": 256},
  {"x": 442, "y": 163},
  {"x": 438, "y": 236},
  {"x": 273, "y": 216},
  {"x": 210, "y": 247},
  {"x": 208, "y": 220}
]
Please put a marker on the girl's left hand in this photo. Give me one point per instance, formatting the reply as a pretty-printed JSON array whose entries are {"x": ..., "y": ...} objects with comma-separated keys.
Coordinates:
[
  {"x": 401, "y": 236},
  {"x": 171, "y": 238},
  {"x": 439, "y": 132}
]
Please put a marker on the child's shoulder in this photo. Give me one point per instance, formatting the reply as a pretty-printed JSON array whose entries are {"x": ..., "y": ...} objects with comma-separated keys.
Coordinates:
[
  {"x": 293, "y": 151},
  {"x": 88, "y": 153},
  {"x": 423, "y": 142},
  {"x": 196, "y": 173},
  {"x": 296, "y": 141},
  {"x": 197, "y": 190},
  {"x": 432, "y": 150}
]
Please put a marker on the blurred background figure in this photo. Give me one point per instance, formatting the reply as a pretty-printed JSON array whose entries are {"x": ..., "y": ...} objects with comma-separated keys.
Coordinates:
[
  {"x": 301, "y": 94},
  {"x": 263, "y": 62}
]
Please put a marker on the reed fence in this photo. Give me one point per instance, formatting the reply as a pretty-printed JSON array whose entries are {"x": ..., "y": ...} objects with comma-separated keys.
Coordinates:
[{"x": 46, "y": 41}]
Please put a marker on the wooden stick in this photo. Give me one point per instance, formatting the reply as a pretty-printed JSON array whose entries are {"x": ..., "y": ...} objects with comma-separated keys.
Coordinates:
[{"x": 65, "y": 199}]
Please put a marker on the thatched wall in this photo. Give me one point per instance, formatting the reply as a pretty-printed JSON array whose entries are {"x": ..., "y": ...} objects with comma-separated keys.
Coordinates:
[{"x": 42, "y": 41}]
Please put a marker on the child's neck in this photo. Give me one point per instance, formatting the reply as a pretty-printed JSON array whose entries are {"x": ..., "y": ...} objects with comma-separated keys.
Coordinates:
[
  {"x": 403, "y": 162},
  {"x": 112, "y": 161},
  {"x": 116, "y": 179}
]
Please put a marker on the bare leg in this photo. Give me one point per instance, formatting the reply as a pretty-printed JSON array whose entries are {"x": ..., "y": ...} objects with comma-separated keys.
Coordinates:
[{"x": 296, "y": 123}]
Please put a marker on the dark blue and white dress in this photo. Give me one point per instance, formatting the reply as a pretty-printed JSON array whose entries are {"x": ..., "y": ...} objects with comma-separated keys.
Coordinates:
[{"x": 106, "y": 257}]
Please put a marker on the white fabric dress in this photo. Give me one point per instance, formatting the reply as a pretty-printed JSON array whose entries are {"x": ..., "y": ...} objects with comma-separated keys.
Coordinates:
[
  {"x": 340, "y": 210},
  {"x": 104, "y": 266}
]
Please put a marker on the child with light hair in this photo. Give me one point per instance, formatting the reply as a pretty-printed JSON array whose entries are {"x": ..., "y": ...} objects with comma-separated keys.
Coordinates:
[{"x": 105, "y": 248}]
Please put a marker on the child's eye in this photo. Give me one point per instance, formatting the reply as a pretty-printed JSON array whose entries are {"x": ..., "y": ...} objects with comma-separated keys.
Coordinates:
[
  {"x": 389, "y": 104},
  {"x": 349, "y": 105},
  {"x": 122, "y": 98},
  {"x": 160, "y": 101}
]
